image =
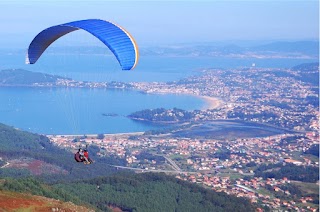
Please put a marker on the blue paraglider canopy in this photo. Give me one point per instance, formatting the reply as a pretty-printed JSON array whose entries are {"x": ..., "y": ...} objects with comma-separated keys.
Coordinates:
[{"x": 117, "y": 39}]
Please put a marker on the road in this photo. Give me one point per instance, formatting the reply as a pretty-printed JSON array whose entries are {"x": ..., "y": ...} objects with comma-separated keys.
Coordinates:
[
  {"x": 173, "y": 164},
  {"x": 153, "y": 170}
]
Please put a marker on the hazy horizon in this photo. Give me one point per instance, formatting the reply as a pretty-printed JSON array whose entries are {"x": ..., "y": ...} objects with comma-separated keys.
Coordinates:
[{"x": 169, "y": 22}]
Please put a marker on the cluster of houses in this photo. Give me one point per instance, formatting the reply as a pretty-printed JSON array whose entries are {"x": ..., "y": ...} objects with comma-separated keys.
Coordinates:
[{"x": 201, "y": 165}]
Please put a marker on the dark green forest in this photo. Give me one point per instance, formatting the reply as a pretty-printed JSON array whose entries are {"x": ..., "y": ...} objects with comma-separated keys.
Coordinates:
[
  {"x": 293, "y": 172},
  {"x": 154, "y": 192},
  {"x": 313, "y": 150},
  {"x": 133, "y": 192}
]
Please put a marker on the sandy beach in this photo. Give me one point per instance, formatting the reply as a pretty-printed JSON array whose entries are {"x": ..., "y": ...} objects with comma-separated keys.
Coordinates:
[{"x": 211, "y": 102}]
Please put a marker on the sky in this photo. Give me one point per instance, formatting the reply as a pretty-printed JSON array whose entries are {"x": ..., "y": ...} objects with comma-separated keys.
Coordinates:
[{"x": 167, "y": 22}]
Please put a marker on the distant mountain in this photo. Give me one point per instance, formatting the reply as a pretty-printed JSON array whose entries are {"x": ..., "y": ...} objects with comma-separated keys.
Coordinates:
[
  {"x": 24, "y": 77},
  {"x": 238, "y": 49},
  {"x": 274, "y": 50},
  {"x": 305, "y": 47}
]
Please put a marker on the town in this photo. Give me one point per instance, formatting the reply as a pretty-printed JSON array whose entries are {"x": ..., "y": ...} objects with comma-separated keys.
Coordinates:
[
  {"x": 273, "y": 96},
  {"x": 267, "y": 170}
]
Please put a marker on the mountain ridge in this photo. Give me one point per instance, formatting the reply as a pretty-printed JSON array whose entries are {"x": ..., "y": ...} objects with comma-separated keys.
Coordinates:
[{"x": 25, "y": 77}]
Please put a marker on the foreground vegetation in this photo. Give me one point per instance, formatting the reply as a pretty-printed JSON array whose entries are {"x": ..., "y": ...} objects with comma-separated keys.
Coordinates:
[
  {"x": 133, "y": 192},
  {"x": 28, "y": 202}
]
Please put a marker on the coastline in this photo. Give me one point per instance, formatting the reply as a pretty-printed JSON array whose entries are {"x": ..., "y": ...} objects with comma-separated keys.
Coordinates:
[
  {"x": 95, "y": 135},
  {"x": 211, "y": 102}
]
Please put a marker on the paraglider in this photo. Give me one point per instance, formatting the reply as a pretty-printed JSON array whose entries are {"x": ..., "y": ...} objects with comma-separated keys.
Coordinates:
[
  {"x": 117, "y": 39},
  {"x": 82, "y": 155}
]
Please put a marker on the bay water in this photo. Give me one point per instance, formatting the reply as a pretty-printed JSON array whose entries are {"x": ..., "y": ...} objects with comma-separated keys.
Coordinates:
[{"x": 80, "y": 110}]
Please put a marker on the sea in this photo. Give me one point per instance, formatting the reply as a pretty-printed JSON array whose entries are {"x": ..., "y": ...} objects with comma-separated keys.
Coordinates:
[{"x": 84, "y": 111}]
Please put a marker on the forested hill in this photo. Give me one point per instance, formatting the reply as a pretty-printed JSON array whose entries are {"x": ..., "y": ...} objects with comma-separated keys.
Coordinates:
[
  {"x": 307, "y": 72},
  {"x": 154, "y": 192},
  {"x": 97, "y": 185},
  {"x": 134, "y": 192},
  {"x": 32, "y": 154},
  {"x": 24, "y": 77},
  {"x": 162, "y": 115}
]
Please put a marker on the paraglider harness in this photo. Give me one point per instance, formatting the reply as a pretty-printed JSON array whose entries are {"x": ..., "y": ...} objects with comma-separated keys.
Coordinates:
[{"x": 80, "y": 156}]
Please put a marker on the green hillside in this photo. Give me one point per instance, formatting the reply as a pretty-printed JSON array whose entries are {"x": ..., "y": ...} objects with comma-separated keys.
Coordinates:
[
  {"x": 153, "y": 192},
  {"x": 99, "y": 186},
  {"x": 18, "y": 145},
  {"x": 132, "y": 192}
]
